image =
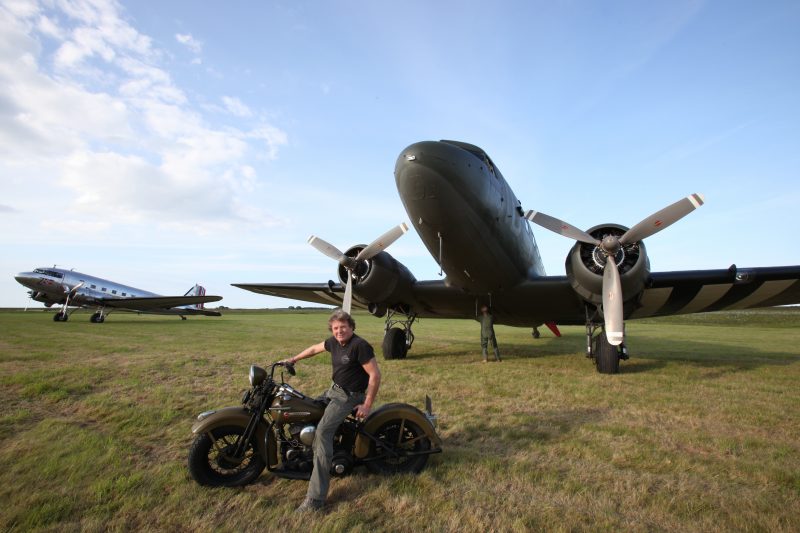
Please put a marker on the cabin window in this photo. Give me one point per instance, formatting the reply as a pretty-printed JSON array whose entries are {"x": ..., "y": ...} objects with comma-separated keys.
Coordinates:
[
  {"x": 94, "y": 286},
  {"x": 114, "y": 292},
  {"x": 104, "y": 289},
  {"x": 124, "y": 294}
]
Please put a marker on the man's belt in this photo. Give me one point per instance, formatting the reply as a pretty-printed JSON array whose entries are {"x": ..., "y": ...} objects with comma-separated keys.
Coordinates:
[{"x": 349, "y": 393}]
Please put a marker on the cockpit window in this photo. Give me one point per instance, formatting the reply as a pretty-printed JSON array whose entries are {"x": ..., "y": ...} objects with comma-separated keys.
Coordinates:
[
  {"x": 48, "y": 272},
  {"x": 477, "y": 152}
]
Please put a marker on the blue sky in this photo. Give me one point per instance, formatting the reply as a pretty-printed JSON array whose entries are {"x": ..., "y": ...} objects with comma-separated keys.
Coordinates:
[{"x": 161, "y": 144}]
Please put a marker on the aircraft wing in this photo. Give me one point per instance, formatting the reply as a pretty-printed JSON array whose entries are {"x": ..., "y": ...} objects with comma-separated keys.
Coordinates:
[
  {"x": 168, "y": 305},
  {"x": 322, "y": 293},
  {"x": 700, "y": 291},
  {"x": 553, "y": 299}
]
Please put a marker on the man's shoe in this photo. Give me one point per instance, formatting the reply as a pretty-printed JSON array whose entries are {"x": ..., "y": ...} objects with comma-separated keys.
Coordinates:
[{"x": 310, "y": 505}]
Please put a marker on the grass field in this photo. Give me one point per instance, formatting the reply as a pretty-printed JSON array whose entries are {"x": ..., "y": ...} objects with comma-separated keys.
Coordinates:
[{"x": 699, "y": 432}]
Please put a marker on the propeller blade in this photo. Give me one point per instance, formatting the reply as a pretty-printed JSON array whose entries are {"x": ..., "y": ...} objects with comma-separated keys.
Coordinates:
[
  {"x": 661, "y": 219},
  {"x": 560, "y": 227},
  {"x": 612, "y": 303},
  {"x": 68, "y": 290},
  {"x": 347, "y": 301},
  {"x": 326, "y": 248},
  {"x": 382, "y": 242}
]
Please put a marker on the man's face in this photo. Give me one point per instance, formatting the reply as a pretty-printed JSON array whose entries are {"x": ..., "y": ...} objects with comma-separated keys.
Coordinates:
[{"x": 341, "y": 331}]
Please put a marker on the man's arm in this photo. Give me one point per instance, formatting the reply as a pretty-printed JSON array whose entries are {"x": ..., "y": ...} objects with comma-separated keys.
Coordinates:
[
  {"x": 371, "y": 368},
  {"x": 311, "y": 351}
]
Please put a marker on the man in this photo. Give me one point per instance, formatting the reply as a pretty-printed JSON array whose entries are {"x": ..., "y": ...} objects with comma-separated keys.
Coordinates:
[
  {"x": 487, "y": 333},
  {"x": 356, "y": 379}
]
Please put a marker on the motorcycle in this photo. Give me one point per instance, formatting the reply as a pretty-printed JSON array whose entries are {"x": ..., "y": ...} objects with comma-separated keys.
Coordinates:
[{"x": 275, "y": 426}]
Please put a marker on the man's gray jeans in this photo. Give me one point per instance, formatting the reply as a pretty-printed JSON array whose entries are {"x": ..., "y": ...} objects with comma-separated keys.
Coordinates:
[{"x": 341, "y": 405}]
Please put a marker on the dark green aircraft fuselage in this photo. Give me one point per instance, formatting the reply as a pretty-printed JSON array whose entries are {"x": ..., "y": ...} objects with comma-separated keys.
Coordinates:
[{"x": 467, "y": 216}]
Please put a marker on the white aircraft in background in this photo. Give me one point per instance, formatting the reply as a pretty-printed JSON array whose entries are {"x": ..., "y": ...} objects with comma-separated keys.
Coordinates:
[{"x": 58, "y": 286}]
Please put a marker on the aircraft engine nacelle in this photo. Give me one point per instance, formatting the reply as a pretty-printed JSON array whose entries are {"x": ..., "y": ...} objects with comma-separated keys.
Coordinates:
[
  {"x": 379, "y": 280},
  {"x": 585, "y": 264},
  {"x": 40, "y": 297}
]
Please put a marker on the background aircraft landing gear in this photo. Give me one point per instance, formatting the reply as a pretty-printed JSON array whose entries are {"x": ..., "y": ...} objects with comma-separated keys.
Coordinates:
[
  {"x": 535, "y": 333},
  {"x": 397, "y": 341}
]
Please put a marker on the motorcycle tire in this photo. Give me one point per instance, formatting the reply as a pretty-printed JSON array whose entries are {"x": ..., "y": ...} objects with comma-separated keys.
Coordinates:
[
  {"x": 402, "y": 436},
  {"x": 210, "y": 463}
]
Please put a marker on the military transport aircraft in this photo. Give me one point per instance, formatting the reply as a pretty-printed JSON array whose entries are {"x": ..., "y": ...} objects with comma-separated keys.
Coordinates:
[
  {"x": 69, "y": 288},
  {"x": 472, "y": 223}
]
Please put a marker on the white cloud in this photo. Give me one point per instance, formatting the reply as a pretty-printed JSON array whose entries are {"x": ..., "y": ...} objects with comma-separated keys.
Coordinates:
[
  {"x": 236, "y": 107},
  {"x": 190, "y": 42},
  {"x": 96, "y": 116}
]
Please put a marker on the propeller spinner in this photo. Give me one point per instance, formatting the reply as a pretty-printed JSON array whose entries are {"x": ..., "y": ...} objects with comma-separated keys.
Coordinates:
[
  {"x": 610, "y": 245},
  {"x": 350, "y": 263}
]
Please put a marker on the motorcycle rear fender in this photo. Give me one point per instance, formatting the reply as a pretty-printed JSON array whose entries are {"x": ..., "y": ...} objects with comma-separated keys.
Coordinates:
[
  {"x": 232, "y": 416},
  {"x": 391, "y": 411}
]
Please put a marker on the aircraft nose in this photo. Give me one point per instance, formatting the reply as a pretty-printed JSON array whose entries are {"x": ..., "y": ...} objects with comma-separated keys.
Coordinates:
[{"x": 26, "y": 278}]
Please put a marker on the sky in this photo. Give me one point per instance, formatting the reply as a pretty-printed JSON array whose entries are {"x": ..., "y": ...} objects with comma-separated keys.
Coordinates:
[{"x": 163, "y": 144}]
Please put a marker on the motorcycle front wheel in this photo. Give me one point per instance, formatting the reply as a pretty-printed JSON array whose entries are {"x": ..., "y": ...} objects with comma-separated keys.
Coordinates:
[
  {"x": 403, "y": 439},
  {"x": 212, "y": 461}
]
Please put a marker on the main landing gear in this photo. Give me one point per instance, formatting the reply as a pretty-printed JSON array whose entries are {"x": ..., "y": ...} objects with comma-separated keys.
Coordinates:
[
  {"x": 97, "y": 318},
  {"x": 397, "y": 340},
  {"x": 606, "y": 356}
]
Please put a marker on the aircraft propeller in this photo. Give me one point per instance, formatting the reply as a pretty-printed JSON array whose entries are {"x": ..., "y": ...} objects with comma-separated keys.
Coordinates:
[
  {"x": 70, "y": 293},
  {"x": 350, "y": 263},
  {"x": 610, "y": 246}
]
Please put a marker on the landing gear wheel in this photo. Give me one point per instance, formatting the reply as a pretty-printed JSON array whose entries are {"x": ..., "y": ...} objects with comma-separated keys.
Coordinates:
[
  {"x": 211, "y": 460},
  {"x": 97, "y": 318},
  {"x": 403, "y": 437},
  {"x": 606, "y": 355},
  {"x": 535, "y": 333},
  {"x": 60, "y": 317},
  {"x": 394, "y": 344}
]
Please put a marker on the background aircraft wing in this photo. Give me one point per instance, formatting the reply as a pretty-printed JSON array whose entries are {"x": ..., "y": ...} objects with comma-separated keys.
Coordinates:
[{"x": 171, "y": 305}]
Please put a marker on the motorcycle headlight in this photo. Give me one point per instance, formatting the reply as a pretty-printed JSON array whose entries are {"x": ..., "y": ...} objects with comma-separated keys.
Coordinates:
[{"x": 257, "y": 375}]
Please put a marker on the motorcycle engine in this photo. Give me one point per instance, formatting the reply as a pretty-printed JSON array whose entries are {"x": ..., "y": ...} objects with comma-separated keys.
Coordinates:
[{"x": 306, "y": 435}]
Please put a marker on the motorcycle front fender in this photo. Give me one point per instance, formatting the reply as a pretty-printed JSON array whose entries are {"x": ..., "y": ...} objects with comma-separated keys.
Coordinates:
[
  {"x": 231, "y": 416},
  {"x": 392, "y": 411}
]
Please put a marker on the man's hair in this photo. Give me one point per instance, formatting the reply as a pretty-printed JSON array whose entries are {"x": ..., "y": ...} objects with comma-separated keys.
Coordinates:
[{"x": 340, "y": 316}]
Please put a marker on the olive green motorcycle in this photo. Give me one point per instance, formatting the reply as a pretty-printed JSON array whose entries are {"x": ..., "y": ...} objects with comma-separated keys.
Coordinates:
[{"x": 275, "y": 426}]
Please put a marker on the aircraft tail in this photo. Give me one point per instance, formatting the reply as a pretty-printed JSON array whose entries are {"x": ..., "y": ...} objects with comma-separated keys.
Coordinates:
[{"x": 197, "y": 290}]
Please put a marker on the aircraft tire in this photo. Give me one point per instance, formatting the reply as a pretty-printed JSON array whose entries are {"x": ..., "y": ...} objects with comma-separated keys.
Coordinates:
[
  {"x": 60, "y": 317},
  {"x": 394, "y": 344},
  {"x": 606, "y": 355}
]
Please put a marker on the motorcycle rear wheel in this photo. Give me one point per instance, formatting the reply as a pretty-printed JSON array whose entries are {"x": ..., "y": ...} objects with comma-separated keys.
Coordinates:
[
  {"x": 403, "y": 437},
  {"x": 211, "y": 461}
]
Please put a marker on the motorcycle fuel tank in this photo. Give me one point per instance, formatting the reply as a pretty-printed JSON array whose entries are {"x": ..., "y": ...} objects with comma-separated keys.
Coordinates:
[{"x": 291, "y": 407}]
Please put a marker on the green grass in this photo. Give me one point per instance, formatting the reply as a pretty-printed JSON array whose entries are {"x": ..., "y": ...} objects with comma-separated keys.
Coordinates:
[{"x": 700, "y": 431}]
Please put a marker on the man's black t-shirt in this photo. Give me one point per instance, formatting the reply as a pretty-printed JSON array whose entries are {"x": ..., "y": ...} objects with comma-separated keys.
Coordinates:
[{"x": 347, "y": 360}]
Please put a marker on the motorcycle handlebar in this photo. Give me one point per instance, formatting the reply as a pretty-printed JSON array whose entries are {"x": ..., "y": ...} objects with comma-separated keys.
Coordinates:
[{"x": 287, "y": 365}]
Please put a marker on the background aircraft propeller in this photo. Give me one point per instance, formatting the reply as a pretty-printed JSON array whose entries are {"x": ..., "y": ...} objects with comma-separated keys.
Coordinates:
[
  {"x": 611, "y": 244},
  {"x": 350, "y": 263}
]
